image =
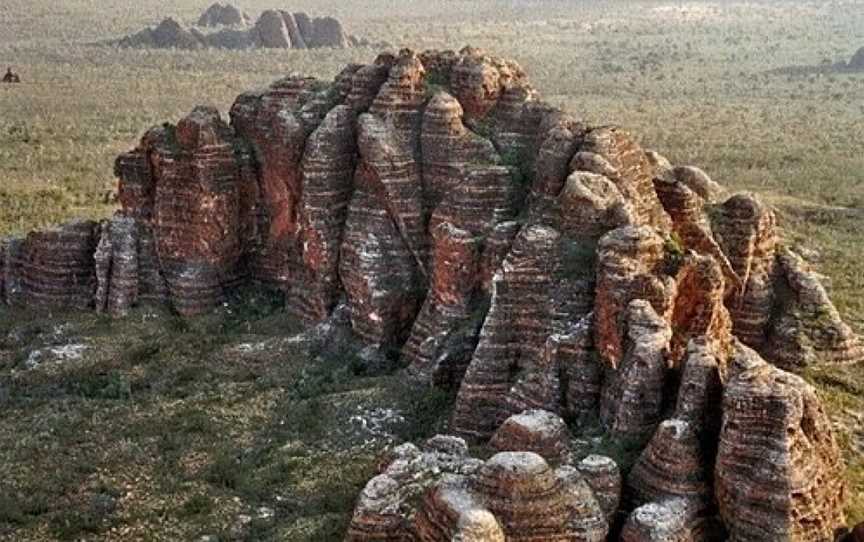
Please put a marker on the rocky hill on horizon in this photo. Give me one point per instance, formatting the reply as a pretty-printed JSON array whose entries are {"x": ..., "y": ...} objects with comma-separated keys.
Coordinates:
[{"x": 274, "y": 29}]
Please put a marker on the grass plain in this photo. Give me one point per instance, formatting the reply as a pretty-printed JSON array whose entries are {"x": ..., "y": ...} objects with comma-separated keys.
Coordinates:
[{"x": 224, "y": 427}]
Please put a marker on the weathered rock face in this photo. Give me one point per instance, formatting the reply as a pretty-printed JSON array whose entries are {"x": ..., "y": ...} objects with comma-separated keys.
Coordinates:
[
  {"x": 671, "y": 466},
  {"x": 778, "y": 305},
  {"x": 537, "y": 431},
  {"x": 117, "y": 265},
  {"x": 797, "y": 494},
  {"x": 631, "y": 265},
  {"x": 503, "y": 249},
  {"x": 699, "y": 182},
  {"x": 271, "y": 31},
  {"x": 674, "y": 520},
  {"x": 512, "y": 496},
  {"x": 747, "y": 230},
  {"x": 514, "y": 335},
  {"x": 271, "y": 121},
  {"x": 613, "y": 153},
  {"x": 602, "y": 474},
  {"x": 52, "y": 268},
  {"x": 632, "y": 400},
  {"x": 445, "y": 333},
  {"x": 223, "y": 15},
  {"x": 327, "y": 169},
  {"x": 327, "y": 32},
  {"x": 690, "y": 224},
  {"x": 807, "y": 329},
  {"x": 197, "y": 195}
]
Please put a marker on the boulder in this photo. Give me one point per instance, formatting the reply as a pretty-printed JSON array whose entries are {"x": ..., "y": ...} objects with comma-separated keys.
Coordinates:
[
  {"x": 699, "y": 182},
  {"x": 535, "y": 431}
]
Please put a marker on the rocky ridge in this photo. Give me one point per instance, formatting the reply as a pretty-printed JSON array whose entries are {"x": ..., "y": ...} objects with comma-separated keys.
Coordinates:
[
  {"x": 546, "y": 269},
  {"x": 274, "y": 29}
]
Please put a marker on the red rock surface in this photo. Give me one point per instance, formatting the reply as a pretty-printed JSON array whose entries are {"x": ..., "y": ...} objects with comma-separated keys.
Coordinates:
[
  {"x": 746, "y": 229},
  {"x": 537, "y": 431},
  {"x": 327, "y": 170},
  {"x": 613, "y": 153},
  {"x": 698, "y": 310},
  {"x": 52, "y": 268},
  {"x": 514, "y": 334},
  {"x": 631, "y": 265},
  {"x": 445, "y": 333},
  {"x": 670, "y": 466},
  {"x": 798, "y": 493},
  {"x": 632, "y": 401},
  {"x": 690, "y": 223}
]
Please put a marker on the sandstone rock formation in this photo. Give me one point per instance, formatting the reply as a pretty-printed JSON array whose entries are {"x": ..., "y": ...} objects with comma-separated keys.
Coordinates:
[
  {"x": 537, "y": 431},
  {"x": 632, "y": 402},
  {"x": 857, "y": 61},
  {"x": 495, "y": 246},
  {"x": 223, "y": 15},
  {"x": 797, "y": 494},
  {"x": 808, "y": 329},
  {"x": 674, "y": 520},
  {"x": 274, "y": 29},
  {"x": 439, "y": 493},
  {"x": 52, "y": 268}
]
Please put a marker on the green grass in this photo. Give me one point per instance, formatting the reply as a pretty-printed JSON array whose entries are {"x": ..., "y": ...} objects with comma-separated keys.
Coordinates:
[{"x": 179, "y": 441}]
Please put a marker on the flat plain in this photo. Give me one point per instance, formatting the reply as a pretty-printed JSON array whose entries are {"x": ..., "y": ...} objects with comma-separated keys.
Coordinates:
[{"x": 156, "y": 428}]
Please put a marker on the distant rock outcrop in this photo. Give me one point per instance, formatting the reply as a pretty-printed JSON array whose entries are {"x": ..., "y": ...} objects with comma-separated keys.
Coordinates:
[
  {"x": 854, "y": 65},
  {"x": 274, "y": 29},
  {"x": 857, "y": 61},
  {"x": 169, "y": 34},
  {"x": 547, "y": 269},
  {"x": 223, "y": 15}
]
